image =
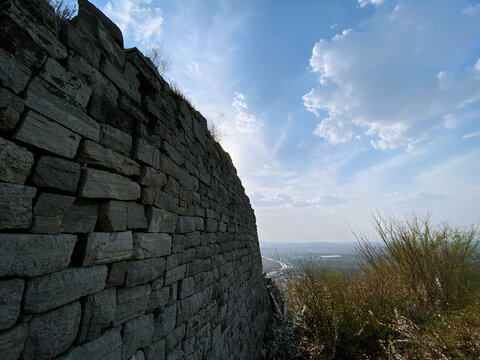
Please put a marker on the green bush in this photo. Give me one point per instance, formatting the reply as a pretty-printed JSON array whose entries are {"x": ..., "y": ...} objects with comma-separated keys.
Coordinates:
[{"x": 416, "y": 296}]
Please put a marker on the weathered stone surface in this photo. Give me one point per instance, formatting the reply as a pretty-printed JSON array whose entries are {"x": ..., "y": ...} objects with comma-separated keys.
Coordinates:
[
  {"x": 40, "y": 34},
  {"x": 137, "y": 334},
  {"x": 175, "y": 274},
  {"x": 34, "y": 255},
  {"x": 116, "y": 140},
  {"x": 176, "y": 354},
  {"x": 112, "y": 216},
  {"x": 96, "y": 154},
  {"x": 156, "y": 351},
  {"x": 53, "y": 290},
  {"x": 117, "y": 78},
  {"x": 52, "y": 172},
  {"x": 52, "y": 333},
  {"x": 146, "y": 153},
  {"x": 173, "y": 261},
  {"x": 165, "y": 322},
  {"x": 160, "y": 220},
  {"x": 136, "y": 218},
  {"x": 186, "y": 224},
  {"x": 11, "y": 107},
  {"x": 102, "y": 184},
  {"x": 81, "y": 217},
  {"x": 131, "y": 303},
  {"x": 13, "y": 74},
  {"x": 49, "y": 211},
  {"x": 16, "y": 206},
  {"x": 189, "y": 181},
  {"x": 152, "y": 177},
  {"x": 39, "y": 98},
  {"x": 45, "y": 134},
  {"x": 98, "y": 313},
  {"x": 106, "y": 347},
  {"x": 139, "y": 355},
  {"x": 174, "y": 338},
  {"x": 12, "y": 342},
  {"x": 159, "y": 198},
  {"x": 103, "y": 248},
  {"x": 189, "y": 307},
  {"x": 69, "y": 84},
  {"x": 143, "y": 271},
  {"x": 116, "y": 277},
  {"x": 15, "y": 162},
  {"x": 11, "y": 292},
  {"x": 159, "y": 296},
  {"x": 187, "y": 287},
  {"x": 149, "y": 245}
]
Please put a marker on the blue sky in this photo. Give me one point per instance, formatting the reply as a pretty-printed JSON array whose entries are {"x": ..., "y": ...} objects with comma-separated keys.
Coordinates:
[{"x": 330, "y": 109}]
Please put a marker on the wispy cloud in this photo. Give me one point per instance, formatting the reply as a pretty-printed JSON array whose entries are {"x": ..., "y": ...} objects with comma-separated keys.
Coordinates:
[
  {"x": 471, "y": 135},
  {"x": 246, "y": 121}
]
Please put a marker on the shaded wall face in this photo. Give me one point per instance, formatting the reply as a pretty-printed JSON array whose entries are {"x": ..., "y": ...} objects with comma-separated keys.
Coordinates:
[{"x": 124, "y": 229}]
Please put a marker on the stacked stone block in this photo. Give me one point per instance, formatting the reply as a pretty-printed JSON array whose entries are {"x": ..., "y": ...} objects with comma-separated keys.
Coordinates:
[{"x": 125, "y": 231}]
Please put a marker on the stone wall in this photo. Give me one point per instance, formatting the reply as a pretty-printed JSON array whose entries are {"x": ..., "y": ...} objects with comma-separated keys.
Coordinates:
[{"x": 125, "y": 231}]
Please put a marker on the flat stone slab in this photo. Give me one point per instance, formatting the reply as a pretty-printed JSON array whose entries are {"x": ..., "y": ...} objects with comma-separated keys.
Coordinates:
[
  {"x": 46, "y": 134},
  {"x": 49, "y": 211},
  {"x": 102, "y": 184},
  {"x": 15, "y": 162},
  {"x": 52, "y": 333},
  {"x": 160, "y": 220},
  {"x": 96, "y": 154},
  {"x": 13, "y": 74},
  {"x": 131, "y": 303},
  {"x": 53, "y": 290},
  {"x": 149, "y": 245},
  {"x": 12, "y": 342},
  {"x": 53, "y": 172},
  {"x": 16, "y": 206},
  {"x": 80, "y": 218},
  {"x": 137, "y": 333},
  {"x": 143, "y": 271},
  {"x": 34, "y": 255},
  {"x": 104, "y": 248},
  {"x": 116, "y": 140},
  {"x": 11, "y": 293},
  {"x": 11, "y": 107}
]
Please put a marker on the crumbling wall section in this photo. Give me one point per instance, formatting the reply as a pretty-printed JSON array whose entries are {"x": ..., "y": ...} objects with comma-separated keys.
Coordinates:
[{"x": 125, "y": 231}]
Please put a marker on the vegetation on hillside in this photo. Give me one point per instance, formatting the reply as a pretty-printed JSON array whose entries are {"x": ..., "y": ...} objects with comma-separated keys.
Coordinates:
[{"x": 417, "y": 296}]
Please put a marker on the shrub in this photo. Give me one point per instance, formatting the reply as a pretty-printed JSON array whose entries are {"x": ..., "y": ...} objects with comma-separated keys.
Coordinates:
[{"x": 416, "y": 296}]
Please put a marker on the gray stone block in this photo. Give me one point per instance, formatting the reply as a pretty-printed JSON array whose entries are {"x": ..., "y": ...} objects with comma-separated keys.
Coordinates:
[
  {"x": 113, "y": 216},
  {"x": 143, "y": 271},
  {"x": 174, "y": 338},
  {"x": 96, "y": 154},
  {"x": 146, "y": 153},
  {"x": 106, "y": 347},
  {"x": 137, "y": 334},
  {"x": 189, "y": 181},
  {"x": 139, "y": 355},
  {"x": 12, "y": 342},
  {"x": 40, "y": 34},
  {"x": 160, "y": 220},
  {"x": 165, "y": 322},
  {"x": 159, "y": 297},
  {"x": 186, "y": 224},
  {"x": 53, "y": 290},
  {"x": 136, "y": 218},
  {"x": 116, "y": 277},
  {"x": 102, "y": 184},
  {"x": 11, "y": 293},
  {"x": 11, "y": 107},
  {"x": 176, "y": 354},
  {"x": 13, "y": 74},
  {"x": 116, "y": 140},
  {"x": 117, "y": 78},
  {"x": 34, "y": 255},
  {"x": 188, "y": 255},
  {"x": 16, "y": 206},
  {"x": 156, "y": 351},
  {"x": 188, "y": 307},
  {"x": 80, "y": 218},
  {"x": 52, "y": 172},
  {"x": 131, "y": 303},
  {"x": 52, "y": 333},
  {"x": 48, "y": 213},
  {"x": 103, "y": 248},
  {"x": 40, "y": 98},
  {"x": 173, "y": 261},
  {"x": 175, "y": 274},
  {"x": 15, "y": 162},
  {"x": 45, "y": 134},
  {"x": 152, "y": 177},
  {"x": 97, "y": 315},
  {"x": 187, "y": 287}
]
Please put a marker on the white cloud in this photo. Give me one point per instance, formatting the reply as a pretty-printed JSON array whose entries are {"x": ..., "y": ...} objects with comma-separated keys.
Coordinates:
[
  {"x": 193, "y": 66},
  {"x": 471, "y": 135},
  {"x": 390, "y": 80},
  {"x": 136, "y": 18},
  {"x": 246, "y": 122},
  {"x": 363, "y": 3}
]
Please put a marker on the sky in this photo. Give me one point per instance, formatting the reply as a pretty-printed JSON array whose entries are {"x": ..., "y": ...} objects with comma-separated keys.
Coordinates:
[{"x": 330, "y": 109}]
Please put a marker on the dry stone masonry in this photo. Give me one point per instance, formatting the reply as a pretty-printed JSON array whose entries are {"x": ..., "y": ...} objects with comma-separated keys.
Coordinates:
[{"x": 125, "y": 231}]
